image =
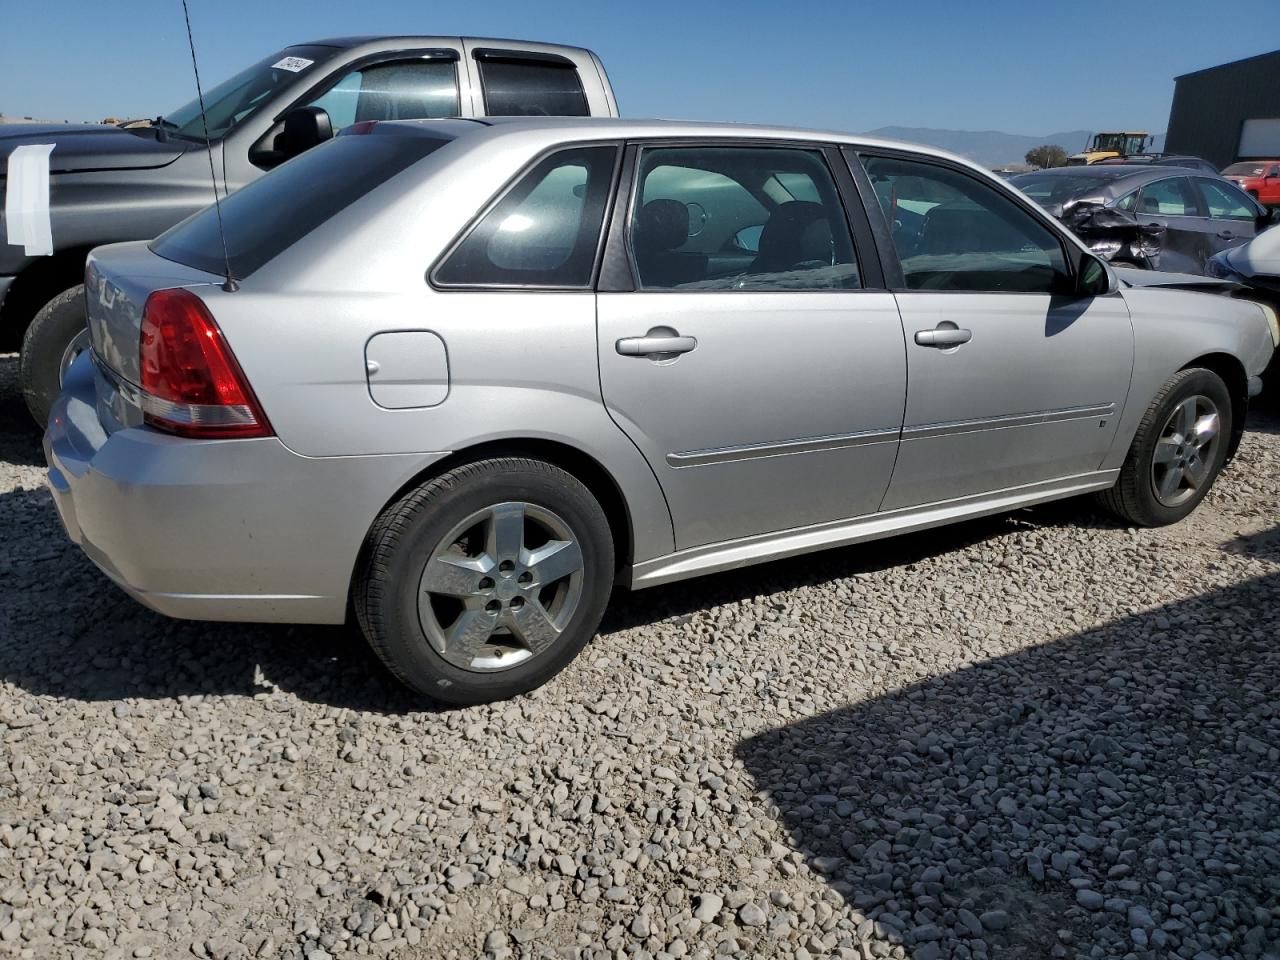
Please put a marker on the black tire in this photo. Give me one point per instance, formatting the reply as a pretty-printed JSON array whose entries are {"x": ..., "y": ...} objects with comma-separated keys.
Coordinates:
[
  {"x": 46, "y": 340},
  {"x": 402, "y": 540},
  {"x": 1134, "y": 498}
]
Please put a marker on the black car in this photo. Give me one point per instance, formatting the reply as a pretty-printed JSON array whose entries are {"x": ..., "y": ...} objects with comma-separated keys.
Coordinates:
[{"x": 1185, "y": 215}]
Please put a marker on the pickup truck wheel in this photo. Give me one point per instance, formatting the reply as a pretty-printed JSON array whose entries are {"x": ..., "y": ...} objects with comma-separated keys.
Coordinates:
[
  {"x": 1177, "y": 452},
  {"x": 484, "y": 582},
  {"x": 55, "y": 337}
]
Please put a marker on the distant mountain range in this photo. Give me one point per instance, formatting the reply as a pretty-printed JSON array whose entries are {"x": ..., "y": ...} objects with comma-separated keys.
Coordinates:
[{"x": 990, "y": 147}]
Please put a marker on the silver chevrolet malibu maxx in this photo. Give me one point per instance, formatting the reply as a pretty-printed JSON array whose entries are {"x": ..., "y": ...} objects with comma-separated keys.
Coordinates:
[{"x": 468, "y": 375}]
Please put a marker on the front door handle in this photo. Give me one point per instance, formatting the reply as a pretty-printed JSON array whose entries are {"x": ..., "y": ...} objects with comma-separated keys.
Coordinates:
[
  {"x": 660, "y": 342},
  {"x": 943, "y": 337}
]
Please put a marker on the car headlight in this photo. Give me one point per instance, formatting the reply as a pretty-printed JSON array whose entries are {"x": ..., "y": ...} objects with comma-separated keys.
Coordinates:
[{"x": 1106, "y": 249}]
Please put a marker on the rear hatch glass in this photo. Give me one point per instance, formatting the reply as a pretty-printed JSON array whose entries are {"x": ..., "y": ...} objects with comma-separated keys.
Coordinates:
[{"x": 268, "y": 216}]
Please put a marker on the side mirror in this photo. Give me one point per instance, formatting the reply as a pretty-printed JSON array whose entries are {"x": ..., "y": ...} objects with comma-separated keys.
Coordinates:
[
  {"x": 304, "y": 128},
  {"x": 1095, "y": 279}
]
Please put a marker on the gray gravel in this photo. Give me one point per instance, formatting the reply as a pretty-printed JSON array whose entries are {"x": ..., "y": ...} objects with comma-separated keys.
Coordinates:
[{"x": 1031, "y": 736}]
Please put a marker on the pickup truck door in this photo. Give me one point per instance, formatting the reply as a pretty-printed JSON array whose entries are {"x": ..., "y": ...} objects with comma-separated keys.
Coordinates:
[{"x": 407, "y": 84}]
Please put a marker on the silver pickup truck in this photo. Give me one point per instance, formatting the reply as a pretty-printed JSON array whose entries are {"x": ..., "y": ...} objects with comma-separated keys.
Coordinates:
[{"x": 69, "y": 188}]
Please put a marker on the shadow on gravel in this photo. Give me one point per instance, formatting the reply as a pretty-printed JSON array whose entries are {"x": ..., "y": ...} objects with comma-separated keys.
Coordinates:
[
  {"x": 1137, "y": 762},
  {"x": 19, "y": 436},
  {"x": 67, "y": 631}
]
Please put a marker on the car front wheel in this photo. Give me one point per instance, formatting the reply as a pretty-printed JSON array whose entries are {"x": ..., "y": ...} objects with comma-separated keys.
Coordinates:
[
  {"x": 486, "y": 581},
  {"x": 1177, "y": 452}
]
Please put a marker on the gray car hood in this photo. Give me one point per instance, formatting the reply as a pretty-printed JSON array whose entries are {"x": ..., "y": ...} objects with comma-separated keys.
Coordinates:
[
  {"x": 1132, "y": 277},
  {"x": 1259, "y": 257},
  {"x": 79, "y": 147}
]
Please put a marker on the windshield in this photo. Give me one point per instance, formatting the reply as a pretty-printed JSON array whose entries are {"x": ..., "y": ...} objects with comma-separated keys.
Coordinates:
[
  {"x": 232, "y": 100},
  {"x": 1125, "y": 143},
  {"x": 1244, "y": 170}
]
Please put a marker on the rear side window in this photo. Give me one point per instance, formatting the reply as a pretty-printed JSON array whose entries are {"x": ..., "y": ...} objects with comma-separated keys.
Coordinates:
[
  {"x": 544, "y": 232},
  {"x": 268, "y": 216},
  {"x": 1168, "y": 198},
  {"x": 517, "y": 87}
]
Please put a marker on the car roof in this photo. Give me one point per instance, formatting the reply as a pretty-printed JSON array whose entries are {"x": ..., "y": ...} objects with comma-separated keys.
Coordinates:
[
  {"x": 429, "y": 40},
  {"x": 552, "y": 130}
]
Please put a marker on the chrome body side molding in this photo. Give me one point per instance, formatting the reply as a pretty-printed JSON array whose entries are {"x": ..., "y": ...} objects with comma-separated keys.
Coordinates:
[{"x": 788, "y": 543}]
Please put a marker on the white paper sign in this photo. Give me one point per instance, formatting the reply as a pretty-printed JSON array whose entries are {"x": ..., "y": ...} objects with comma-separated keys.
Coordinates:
[
  {"x": 26, "y": 201},
  {"x": 292, "y": 64}
]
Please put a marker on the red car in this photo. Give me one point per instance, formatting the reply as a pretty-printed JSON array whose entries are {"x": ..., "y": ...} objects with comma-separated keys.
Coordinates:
[{"x": 1259, "y": 178}]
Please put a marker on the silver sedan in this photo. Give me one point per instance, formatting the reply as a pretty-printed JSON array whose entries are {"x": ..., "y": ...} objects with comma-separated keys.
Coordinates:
[{"x": 466, "y": 377}]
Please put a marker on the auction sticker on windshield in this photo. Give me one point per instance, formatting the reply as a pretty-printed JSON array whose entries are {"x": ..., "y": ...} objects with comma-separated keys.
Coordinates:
[{"x": 292, "y": 64}]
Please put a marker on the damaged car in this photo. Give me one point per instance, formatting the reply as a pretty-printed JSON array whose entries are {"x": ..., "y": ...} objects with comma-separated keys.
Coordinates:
[{"x": 1154, "y": 217}]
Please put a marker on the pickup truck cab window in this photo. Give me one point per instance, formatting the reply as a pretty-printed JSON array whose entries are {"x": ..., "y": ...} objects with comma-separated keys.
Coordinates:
[
  {"x": 530, "y": 85},
  {"x": 416, "y": 89}
]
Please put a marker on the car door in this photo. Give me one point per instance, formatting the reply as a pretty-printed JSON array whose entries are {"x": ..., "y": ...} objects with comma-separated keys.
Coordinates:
[
  {"x": 1232, "y": 216},
  {"x": 1169, "y": 203},
  {"x": 764, "y": 386},
  {"x": 1011, "y": 380}
]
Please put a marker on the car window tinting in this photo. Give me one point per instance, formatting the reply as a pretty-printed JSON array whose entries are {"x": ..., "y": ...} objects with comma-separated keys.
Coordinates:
[
  {"x": 544, "y": 232},
  {"x": 1224, "y": 202},
  {"x": 953, "y": 232},
  {"x": 403, "y": 90},
  {"x": 739, "y": 218},
  {"x": 1168, "y": 198},
  {"x": 268, "y": 216},
  {"x": 531, "y": 88}
]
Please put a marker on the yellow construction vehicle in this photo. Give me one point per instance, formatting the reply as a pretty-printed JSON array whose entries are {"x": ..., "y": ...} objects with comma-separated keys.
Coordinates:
[{"x": 1103, "y": 146}]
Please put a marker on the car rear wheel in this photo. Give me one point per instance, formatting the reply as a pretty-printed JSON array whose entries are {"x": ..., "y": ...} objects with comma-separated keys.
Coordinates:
[
  {"x": 1177, "y": 452},
  {"x": 57, "y": 334},
  {"x": 486, "y": 581}
]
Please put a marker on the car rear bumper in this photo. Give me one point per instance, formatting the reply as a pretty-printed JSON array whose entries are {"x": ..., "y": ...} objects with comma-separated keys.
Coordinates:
[{"x": 219, "y": 529}]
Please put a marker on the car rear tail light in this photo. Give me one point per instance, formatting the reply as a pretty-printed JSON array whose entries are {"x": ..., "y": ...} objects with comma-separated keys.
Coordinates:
[{"x": 192, "y": 385}]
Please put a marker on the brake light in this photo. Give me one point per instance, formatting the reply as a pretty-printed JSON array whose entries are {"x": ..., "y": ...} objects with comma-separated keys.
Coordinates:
[{"x": 192, "y": 385}]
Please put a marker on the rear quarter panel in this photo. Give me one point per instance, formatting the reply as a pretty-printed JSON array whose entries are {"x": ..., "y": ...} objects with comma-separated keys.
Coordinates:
[
  {"x": 521, "y": 364},
  {"x": 1173, "y": 328}
]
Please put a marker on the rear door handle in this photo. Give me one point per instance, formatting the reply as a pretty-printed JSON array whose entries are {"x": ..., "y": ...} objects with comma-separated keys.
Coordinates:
[
  {"x": 1227, "y": 235},
  {"x": 649, "y": 345},
  {"x": 943, "y": 337}
]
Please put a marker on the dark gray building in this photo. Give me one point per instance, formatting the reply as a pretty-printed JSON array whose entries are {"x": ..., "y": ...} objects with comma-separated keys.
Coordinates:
[{"x": 1229, "y": 112}]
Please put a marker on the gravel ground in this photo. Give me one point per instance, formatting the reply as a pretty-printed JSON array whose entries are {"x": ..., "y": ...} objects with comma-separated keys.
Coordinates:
[{"x": 1032, "y": 736}]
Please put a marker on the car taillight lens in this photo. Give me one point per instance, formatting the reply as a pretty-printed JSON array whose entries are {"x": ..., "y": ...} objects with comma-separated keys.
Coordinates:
[{"x": 192, "y": 385}]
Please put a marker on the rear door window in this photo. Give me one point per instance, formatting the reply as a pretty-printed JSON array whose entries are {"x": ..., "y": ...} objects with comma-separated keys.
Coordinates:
[
  {"x": 419, "y": 89},
  {"x": 516, "y": 86},
  {"x": 1168, "y": 198},
  {"x": 544, "y": 232},
  {"x": 263, "y": 219},
  {"x": 739, "y": 218}
]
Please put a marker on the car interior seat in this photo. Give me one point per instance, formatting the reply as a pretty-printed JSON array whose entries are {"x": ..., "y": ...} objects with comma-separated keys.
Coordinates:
[
  {"x": 796, "y": 235},
  {"x": 661, "y": 228}
]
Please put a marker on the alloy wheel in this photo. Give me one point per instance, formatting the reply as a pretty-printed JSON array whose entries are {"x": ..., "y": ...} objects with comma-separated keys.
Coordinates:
[
  {"x": 1185, "y": 451},
  {"x": 501, "y": 587}
]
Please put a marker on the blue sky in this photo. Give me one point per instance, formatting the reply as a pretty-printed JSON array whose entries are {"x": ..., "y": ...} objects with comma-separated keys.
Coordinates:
[{"x": 1021, "y": 67}]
